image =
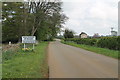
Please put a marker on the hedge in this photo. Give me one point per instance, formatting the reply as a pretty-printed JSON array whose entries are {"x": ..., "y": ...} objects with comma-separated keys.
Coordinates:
[{"x": 112, "y": 43}]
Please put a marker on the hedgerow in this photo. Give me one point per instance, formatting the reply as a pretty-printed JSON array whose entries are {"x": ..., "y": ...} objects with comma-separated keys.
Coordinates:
[{"x": 103, "y": 42}]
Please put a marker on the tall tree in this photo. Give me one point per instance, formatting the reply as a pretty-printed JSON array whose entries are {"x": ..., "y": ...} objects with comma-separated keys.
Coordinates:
[
  {"x": 12, "y": 20},
  {"x": 42, "y": 19},
  {"x": 68, "y": 34}
]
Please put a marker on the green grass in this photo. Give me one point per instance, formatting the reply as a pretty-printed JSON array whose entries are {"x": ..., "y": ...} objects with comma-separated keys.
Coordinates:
[
  {"x": 103, "y": 51},
  {"x": 20, "y": 64}
]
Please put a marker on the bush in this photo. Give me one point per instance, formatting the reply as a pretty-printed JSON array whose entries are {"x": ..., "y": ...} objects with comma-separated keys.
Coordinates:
[
  {"x": 87, "y": 41},
  {"x": 108, "y": 42},
  {"x": 103, "y": 42},
  {"x": 68, "y": 34}
]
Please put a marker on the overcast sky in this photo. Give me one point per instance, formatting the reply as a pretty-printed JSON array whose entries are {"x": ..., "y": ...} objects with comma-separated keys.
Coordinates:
[{"x": 91, "y": 16}]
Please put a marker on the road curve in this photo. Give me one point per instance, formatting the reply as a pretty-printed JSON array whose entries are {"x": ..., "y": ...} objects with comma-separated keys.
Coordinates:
[{"x": 70, "y": 62}]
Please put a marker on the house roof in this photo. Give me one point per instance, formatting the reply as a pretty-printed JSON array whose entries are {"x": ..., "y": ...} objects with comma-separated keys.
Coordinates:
[{"x": 82, "y": 33}]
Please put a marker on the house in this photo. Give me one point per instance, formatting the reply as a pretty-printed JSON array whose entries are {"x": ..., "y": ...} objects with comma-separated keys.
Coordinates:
[
  {"x": 113, "y": 33},
  {"x": 96, "y": 35},
  {"x": 83, "y": 35}
]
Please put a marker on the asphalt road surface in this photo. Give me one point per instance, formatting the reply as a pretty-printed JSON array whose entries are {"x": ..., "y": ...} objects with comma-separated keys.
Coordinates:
[{"x": 70, "y": 62}]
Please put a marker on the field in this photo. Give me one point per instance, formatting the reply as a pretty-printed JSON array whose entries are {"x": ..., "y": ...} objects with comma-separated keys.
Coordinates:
[
  {"x": 29, "y": 64},
  {"x": 103, "y": 51}
]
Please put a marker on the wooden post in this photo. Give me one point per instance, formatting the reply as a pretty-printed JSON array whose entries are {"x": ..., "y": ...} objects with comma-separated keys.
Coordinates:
[
  {"x": 24, "y": 46},
  {"x": 33, "y": 46}
]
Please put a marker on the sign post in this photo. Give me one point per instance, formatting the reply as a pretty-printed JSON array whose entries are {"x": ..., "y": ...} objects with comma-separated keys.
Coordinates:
[
  {"x": 24, "y": 46},
  {"x": 29, "y": 39},
  {"x": 33, "y": 46}
]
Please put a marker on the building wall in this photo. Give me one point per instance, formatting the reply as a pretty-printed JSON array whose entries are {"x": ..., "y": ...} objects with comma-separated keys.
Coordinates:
[
  {"x": 83, "y": 36},
  {"x": 113, "y": 33}
]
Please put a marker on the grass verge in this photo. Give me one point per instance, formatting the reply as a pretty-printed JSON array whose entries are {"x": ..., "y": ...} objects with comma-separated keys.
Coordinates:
[
  {"x": 20, "y": 64},
  {"x": 103, "y": 51}
]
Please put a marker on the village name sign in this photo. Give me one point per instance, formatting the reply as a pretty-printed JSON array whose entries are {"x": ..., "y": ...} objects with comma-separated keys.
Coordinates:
[{"x": 28, "y": 39}]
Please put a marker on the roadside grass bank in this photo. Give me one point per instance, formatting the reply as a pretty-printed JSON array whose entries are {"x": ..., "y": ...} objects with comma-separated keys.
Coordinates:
[
  {"x": 103, "y": 51},
  {"x": 26, "y": 64}
]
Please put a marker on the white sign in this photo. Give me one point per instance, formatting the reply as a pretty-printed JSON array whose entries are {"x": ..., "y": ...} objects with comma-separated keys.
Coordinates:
[{"x": 28, "y": 39}]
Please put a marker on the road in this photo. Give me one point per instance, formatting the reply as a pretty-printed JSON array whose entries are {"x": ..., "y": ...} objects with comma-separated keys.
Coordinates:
[{"x": 70, "y": 62}]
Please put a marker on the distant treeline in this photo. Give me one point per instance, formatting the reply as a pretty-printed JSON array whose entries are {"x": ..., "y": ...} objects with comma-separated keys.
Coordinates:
[
  {"x": 41, "y": 19},
  {"x": 112, "y": 43}
]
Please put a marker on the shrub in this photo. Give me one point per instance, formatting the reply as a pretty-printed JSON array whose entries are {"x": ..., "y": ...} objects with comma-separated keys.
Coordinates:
[
  {"x": 68, "y": 34},
  {"x": 108, "y": 42},
  {"x": 103, "y": 42}
]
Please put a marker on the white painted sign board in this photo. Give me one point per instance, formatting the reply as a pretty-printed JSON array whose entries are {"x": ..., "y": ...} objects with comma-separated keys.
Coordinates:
[{"x": 28, "y": 39}]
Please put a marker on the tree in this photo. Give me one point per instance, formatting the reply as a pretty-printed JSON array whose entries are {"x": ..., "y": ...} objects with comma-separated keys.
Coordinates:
[
  {"x": 12, "y": 20},
  {"x": 68, "y": 33},
  {"x": 41, "y": 19},
  {"x": 50, "y": 19}
]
